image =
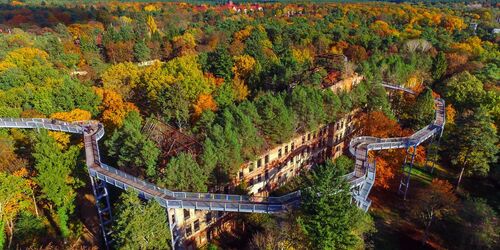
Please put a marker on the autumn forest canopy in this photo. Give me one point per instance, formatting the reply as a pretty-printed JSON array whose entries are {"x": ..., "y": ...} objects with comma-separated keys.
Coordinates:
[{"x": 237, "y": 79}]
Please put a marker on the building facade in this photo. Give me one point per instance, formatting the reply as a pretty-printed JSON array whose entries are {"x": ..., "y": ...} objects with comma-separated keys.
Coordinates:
[{"x": 268, "y": 172}]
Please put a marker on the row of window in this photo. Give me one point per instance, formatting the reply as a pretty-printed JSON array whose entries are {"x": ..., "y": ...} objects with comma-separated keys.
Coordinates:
[
  {"x": 195, "y": 226},
  {"x": 342, "y": 123},
  {"x": 285, "y": 150}
]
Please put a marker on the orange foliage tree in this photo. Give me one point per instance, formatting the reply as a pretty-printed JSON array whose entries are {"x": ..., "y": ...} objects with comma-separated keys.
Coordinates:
[
  {"x": 388, "y": 161},
  {"x": 204, "y": 102},
  {"x": 113, "y": 107},
  {"x": 120, "y": 51}
]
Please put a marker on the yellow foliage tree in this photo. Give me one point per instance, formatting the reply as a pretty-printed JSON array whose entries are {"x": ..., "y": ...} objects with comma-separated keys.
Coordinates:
[
  {"x": 25, "y": 58},
  {"x": 244, "y": 33},
  {"x": 302, "y": 55},
  {"x": 121, "y": 78},
  {"x": 72, "y": 116},
  {"x": 450, "y": 114},
  {"x": 243, "y": 65},
  {"x": 184, "y": 45},
  {"x": 14, "y": 197},
  {"x": 61, "y": 138},
  {"x": 471, "y": 46},
  {"x": 452, "y": 23},
  {"x": 383, "y": 29},
  {"x": 9, "y": 161},
  {"x": 151, "y": 25},
  {"x": 240, "y": 89},
  {"x": 149, "y": 8}
]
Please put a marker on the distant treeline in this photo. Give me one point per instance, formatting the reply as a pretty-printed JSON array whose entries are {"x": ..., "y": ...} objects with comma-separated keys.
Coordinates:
[{"x": 58, "y": 2}]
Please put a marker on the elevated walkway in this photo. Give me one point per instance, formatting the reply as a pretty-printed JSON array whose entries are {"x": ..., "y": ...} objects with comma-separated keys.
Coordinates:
[{"x": 361, "y": 179}]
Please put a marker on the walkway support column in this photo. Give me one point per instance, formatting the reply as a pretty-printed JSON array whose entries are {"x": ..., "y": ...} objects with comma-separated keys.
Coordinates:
[
  {"x": 103, "y": 209},
  {"x": 404, "y": 184}
]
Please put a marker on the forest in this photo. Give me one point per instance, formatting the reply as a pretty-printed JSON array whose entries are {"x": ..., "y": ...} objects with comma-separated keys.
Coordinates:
[{"x": 239, "y": 79}]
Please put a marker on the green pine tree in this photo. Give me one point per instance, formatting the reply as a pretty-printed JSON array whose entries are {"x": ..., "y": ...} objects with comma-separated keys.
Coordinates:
[
  {"x": 184, "y": 174},
  {"x": 140, "y": 225},
  {"x": 439, "y": 66},
  {"x": 54, "y": 169},
  {"x": 131, "y": 148},
  {"x": 473, "y": 143},
  {"x": 141, "y": 51},
  {"x": 328, "y": 218}
]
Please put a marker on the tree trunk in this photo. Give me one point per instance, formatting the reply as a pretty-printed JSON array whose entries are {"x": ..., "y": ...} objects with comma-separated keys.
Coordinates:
[
  {"x": 36, "y": 206},
  {"x": 10, "y": 226},
  {"x": 426, "y": 232},
  {"x": 460, "y": 178},
  {"x": 463, "y": 168}
]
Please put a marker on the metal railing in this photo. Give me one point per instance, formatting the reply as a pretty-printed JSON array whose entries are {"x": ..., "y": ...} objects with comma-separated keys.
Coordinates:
[{"x": 215, "y": 201}]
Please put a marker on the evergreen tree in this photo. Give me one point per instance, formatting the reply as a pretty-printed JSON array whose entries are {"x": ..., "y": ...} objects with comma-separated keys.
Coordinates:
[
  {"x": 140, "y": 225},
  {"x": 328, "y": 217},
  {"x": 141, "y": 51},
  {"x": 278, "y": 122},
  {"x": 228, "y": 148},
  {"x": 131, "y": 148},
  {"x": 423, "y": 112},
  {"x": 307, "y": 103},
  {"x": 184, "y": 174},
  {"x": 220, "y": 63},
  {"x": 473, "y": 143},
  {"x": 378, "y": 100},
  {"x": 248, "y": 133},
  {"x": 439, "y": 66},
  {"x": 54, "y": 169}
]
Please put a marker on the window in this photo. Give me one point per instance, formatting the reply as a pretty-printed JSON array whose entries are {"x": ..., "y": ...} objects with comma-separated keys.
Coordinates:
[
  {"x": 241, "y": 175},
  {"x": 189, "y": 231},
  {"x": 279, "y": 153},
  {"x": 252, "y": 165},
  {"x": 187, "y": 214},
  {"x": 292, "y": 146},
  {"x": 267, "y": 174},
  {"x": 266, "y": 159},
  {"x": 173, "y": 218},
  {"x": 196, "y": 225},
  {"x": 308, "y": 137},
  {"x": 259, "y": 163},
  {"x": 251, "y": 182},
  {"x": 259, "y": 178},
  {"x": 208, "y": 217},
  {"x": 286, "y": 149},
  {"x": 303, "y": 139}
]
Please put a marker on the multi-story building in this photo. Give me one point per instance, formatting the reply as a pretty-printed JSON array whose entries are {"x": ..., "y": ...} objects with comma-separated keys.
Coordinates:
[
  {"x": 269, "y": 171},
  {"x": 272, "y": 169}
]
